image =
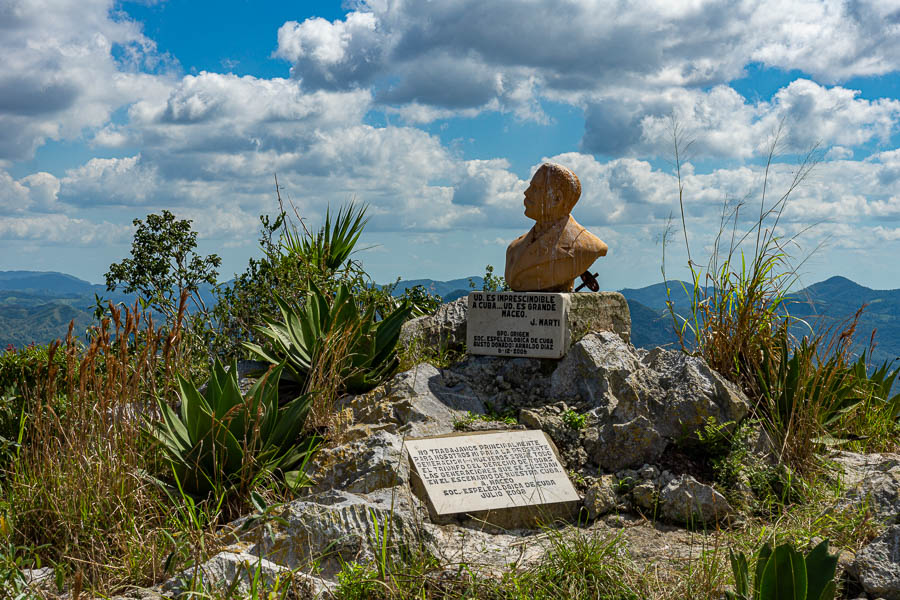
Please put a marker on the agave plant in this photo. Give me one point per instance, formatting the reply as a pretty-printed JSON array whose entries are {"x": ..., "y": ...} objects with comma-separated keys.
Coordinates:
[
  {"x": 221, "y": 438},
  {"x": 363, "y": 350},
  {"x": 785, "y": 574},
  {"x": 327, "y": 250},
  {"x": 798, "y": 380}
]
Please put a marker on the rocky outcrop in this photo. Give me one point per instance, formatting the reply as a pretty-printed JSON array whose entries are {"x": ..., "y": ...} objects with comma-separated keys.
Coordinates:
[
  {"x": 873, "y": 480},
  {"x": 878, "y": 565},
  {"x": 686, "y": 500},
  {"x": 446, "y": 328},
  {"x": 611, "y": 410}
]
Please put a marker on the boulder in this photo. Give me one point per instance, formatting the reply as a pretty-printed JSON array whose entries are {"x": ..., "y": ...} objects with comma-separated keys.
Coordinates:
[
  {"x": 335, "y": 528},
  {"x": 641, "y": 401},
  {"x": 601, "y": 497},
  {"x": 600, "y": 311},
  {"x": 419, "y": 402},
  {"x": 445, "y": 329},
  {"x": 878, "y": 565},
  {"x": 361, "y": 466},
  {"x": 686, "y": 500},
  {"x": 873, "y": 479},
  {"x": 229, "y": 570}
]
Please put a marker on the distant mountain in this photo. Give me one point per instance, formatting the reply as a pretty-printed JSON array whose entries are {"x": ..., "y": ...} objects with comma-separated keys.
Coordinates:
[
  {"x": 27, "y": 318},
  {"x": 46, "y": 283},
  {"x": 37, "y": 307},
  {"x": 650, "y": 327},
  {"x": 824, "y": 307},
  {"x": 447, "y": 290}
]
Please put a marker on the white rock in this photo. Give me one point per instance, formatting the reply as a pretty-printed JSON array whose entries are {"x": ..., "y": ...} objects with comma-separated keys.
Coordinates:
[
  {"x": 686, "y": 500},
  {"x": 878, "y": 565}
]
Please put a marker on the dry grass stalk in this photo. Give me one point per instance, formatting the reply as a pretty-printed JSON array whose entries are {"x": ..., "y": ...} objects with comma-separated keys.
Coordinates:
[{"x": 79, "y": 488}]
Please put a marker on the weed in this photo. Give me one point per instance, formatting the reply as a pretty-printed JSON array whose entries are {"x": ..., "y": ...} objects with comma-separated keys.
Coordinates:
[
  {"x": 506, "y": 417},
  {"x": 574, "y": 420}
]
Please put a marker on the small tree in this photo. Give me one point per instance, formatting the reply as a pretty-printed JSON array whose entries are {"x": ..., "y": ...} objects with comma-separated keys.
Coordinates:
[{"x": 163, "y": 264}]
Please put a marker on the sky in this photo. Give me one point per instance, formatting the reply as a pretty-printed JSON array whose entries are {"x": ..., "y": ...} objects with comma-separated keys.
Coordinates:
[{"x": 436, "y": 113}]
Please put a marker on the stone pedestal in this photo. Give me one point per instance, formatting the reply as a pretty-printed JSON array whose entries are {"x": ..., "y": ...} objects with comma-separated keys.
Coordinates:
[{"x": 540, "y": 324}]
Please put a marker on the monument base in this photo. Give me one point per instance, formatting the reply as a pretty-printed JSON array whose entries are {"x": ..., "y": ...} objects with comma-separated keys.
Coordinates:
[{"x": 541, "y": 324}]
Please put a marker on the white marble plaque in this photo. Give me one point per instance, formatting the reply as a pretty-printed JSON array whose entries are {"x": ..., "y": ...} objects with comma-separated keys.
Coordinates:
[
  {"x": 517, "y": 324},
  {"x": 489, "y": 471}
]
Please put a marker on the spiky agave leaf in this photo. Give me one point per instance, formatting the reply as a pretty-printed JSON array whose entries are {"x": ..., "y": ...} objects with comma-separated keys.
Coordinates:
[{"x": 220, "y": 434}]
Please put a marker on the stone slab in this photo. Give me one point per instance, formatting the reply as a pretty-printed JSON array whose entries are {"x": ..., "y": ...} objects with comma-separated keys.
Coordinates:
[
  {"x": 518, "y": 324},
  {"x": 509, "y": 478}
]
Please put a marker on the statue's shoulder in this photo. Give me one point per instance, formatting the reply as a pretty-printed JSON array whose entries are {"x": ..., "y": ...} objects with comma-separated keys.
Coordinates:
[
  {"x": 518, "y": 242},
  {"x": 583, "y": 240}
]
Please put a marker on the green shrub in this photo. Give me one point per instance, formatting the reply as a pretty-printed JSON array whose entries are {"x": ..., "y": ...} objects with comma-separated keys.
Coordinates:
[
  {"x": 491, "y": 282},
  {"x": 785, "y": 573},
  {"x": 574, "y": 419},
  {"x": 294, "y": 258},
  {"x": 22, "y": 368},
  {"x": 221, "y": 439},
  {"x": 333, "y": 340}
]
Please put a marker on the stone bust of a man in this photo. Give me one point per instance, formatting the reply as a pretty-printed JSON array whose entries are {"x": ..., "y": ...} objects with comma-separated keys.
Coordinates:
[{"x": 557, "y": 249}]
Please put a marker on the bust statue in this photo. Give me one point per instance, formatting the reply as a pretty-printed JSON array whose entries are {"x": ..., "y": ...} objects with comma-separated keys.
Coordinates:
[{"x": 557, "y": 249}]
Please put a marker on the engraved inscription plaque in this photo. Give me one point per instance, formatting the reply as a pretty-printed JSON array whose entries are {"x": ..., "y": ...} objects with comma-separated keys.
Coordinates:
[
  {"x": 488, "y": 471},
  {"x": 532, "y": 324}
]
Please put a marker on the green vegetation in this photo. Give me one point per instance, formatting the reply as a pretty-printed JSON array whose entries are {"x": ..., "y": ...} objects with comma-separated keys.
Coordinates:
[
  {"x": 333, "y": 339},
  {"x": 221, "y": 439},
  {"x": 808, "y": 392},
  {"x": 785, "y": 573},
  {"x": 118, "y": 469},
  {"x": 573, "y": 419},
  {"x": 296, "y": 260},
  {"x": 489, "y": 416},
  {"x": 163, "y": 265},
  {"x": 491, "y": 282}
]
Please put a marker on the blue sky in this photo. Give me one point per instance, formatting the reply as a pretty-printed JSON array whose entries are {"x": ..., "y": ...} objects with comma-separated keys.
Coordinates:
[{"x": 435, "y": 114}]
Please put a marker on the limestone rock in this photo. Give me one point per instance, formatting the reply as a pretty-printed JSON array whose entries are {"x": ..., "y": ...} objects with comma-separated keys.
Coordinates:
[
  {"x": 878, "y": 565},
  {"x": 686, "y": 500},
  {"x": 361, "y": 466},
  {"x": 446, "y": 328},
  {"x": 644, "y": 495},
  {"x": 600, "y": 311},
  {"x": 874, "y": 479},
  {"x": 641, "y": 401},
  {"x": 335, "y": 528},
  {"x": 601, "y": 497},
  {"x": 415, "y": 403},
  {"x": 225, "y": 569}
]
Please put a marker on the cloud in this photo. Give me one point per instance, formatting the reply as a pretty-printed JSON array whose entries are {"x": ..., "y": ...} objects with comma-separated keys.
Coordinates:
[
  {"x": 67, "y": 66},
  {"x": 719, "y": 123},
  {"x": 33, "y": 193},
  {"x": 60, "y": 229},
  {"x": 462, "y": 54},
  {"x": 110, "y": 182}
]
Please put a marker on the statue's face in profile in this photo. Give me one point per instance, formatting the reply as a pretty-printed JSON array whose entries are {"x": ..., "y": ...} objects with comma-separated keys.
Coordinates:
[
  {"x": 541, "y": 202},
  {"x": 536, "y": 198}
]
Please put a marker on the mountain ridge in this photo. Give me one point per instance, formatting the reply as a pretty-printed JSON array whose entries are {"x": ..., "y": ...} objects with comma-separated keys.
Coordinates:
[{"x": 36, "y": 306}]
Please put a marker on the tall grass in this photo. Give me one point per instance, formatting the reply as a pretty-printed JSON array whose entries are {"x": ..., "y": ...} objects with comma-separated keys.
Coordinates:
[
  {"x": 79, "y": 490},
  {"x": 737, "y": 301},
  {"x": 808, "y": 391}
]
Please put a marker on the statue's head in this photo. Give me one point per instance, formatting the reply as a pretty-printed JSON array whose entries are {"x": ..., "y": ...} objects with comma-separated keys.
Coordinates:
[{"x": 553, "y": 192}]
